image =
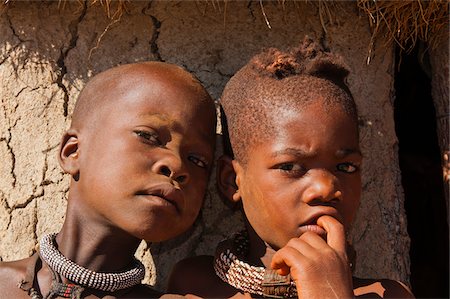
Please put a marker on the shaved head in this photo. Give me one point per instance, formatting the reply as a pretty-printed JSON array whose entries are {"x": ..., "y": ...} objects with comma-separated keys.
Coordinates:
[{"x": 107, "y": 87}]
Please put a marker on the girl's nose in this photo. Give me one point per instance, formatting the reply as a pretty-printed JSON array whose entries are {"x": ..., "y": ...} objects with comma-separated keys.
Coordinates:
[{"x": 323, "y": 187}]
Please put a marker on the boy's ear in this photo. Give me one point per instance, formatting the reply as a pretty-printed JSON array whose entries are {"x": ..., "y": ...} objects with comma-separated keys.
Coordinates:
[
  {"x": 69, "y": 154},
  {"x": 226, "y": 180}
]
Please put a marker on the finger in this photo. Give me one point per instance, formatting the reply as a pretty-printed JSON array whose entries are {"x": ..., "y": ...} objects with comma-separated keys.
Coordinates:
[
  {"x": 309, "y": 244},
  {"x": 335, "y": 232},
  {"x": 285, "y": 258},
  {"x": 314, "y": 240}
]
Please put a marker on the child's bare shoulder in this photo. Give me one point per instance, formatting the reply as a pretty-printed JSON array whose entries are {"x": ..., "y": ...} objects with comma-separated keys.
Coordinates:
[
  {"x": 17, "y": 274},
  {"x": 380, "y": 288},
  {"x": 13, "y": 275},
  {"x": 196, "y": 278},
  {"x": 141, "y": 291},
  {"x": 192, "y": 273}
]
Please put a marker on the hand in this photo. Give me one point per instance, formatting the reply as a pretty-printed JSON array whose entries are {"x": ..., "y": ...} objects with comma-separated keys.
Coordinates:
[{"x": 319, "y": 268}]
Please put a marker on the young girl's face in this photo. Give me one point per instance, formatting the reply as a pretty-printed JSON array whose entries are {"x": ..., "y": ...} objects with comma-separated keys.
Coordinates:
[{"x": 308, "y": 168}]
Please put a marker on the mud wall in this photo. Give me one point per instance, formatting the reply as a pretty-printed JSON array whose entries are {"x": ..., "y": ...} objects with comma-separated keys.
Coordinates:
[{"x": 48, "y": 52}]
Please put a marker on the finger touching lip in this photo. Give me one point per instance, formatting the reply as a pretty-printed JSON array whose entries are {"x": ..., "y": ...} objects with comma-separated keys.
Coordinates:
[
  {"x": 314, "y": 229},
  {"x": 335, "y": 232}
]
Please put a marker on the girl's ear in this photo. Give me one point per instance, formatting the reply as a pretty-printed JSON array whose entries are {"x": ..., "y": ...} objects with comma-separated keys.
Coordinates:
[
  {"x": 226, "y": 180},
  {"x": 239, "y": 172},
  {"x": 69, "y": 154}
]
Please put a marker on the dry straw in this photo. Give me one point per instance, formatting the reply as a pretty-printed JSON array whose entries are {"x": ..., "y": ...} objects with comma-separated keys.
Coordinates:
[
  {"x": 113, "y": 8},
  {"x": 407, "y": 22}
]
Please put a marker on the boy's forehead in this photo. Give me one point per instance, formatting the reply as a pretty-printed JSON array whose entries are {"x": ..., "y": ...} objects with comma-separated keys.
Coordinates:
[
  {"x": 145, "y": 74},
  {"x": 119, "y": 85}
]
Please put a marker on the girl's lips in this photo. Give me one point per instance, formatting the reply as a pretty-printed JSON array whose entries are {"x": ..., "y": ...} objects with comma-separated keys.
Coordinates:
[
  {"x": 310, "y": 224},
  {"x": 313, "y": 228}
]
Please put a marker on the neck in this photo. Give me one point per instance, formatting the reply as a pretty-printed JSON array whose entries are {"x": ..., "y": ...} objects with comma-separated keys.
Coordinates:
[
  {"x": 260, "y": 253},
  {"x": 92, "y": 244}
]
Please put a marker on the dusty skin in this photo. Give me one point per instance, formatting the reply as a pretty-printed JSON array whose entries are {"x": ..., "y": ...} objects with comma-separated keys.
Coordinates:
[{"x": 139, "y": 153}]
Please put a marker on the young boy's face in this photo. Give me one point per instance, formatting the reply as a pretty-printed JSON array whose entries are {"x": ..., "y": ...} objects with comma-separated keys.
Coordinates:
[
  {"x": 144, "y": 166},
  {"x": 310, "y": 167}
]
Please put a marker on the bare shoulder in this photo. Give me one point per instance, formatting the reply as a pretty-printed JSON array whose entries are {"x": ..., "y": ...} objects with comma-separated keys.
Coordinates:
[
  {"x": 142, "y": 291},
  {"x": 195, "y": 276},
  {"x": 190, "y": 274},
  {"x": 380, "y": 288},
  {"x": 12, "y": 275}
]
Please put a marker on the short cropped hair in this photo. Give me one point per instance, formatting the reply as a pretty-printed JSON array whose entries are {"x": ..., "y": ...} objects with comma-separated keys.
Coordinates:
[{"x": 274, "y": 79}]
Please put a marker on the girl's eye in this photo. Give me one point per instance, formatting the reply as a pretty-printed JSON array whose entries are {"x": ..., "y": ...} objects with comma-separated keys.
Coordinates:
[
  {"x": 200, "y": 162},
  {"x": 347, "y": 167},
  {"x": 149, "y": 137}
]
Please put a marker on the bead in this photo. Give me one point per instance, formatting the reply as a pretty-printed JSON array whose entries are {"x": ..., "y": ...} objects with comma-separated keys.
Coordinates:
[
  {"x": 243, "y": 276},
  {"x": 109, "y": 282}
]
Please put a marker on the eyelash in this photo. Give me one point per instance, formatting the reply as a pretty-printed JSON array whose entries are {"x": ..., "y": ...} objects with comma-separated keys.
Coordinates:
[
  {"x": 291, "y": 168},
  {"x": 344, "y": 167},
  {"x": 152, "y": 139},
  {"x": 200, "y": 162},
  {"x": 297, "y": 169},
  {"x": 149, "y": 137}
]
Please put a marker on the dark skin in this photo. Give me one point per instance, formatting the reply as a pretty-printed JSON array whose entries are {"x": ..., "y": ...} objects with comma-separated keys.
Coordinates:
[
  {"x": 300, "y": 190},
  {"x": 139, "y": 152}
]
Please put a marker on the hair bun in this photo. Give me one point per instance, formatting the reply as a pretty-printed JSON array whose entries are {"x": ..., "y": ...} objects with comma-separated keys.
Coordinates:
[
  {"x": 283, "y": 65},
  {"x": 276, "y": 64},
  {"x": 309, "y": 58}
]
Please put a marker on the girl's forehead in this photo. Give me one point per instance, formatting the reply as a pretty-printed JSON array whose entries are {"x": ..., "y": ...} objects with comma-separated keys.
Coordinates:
[
  {"x": 318, "y": 117},
  {"x": 300, "y": 105}
]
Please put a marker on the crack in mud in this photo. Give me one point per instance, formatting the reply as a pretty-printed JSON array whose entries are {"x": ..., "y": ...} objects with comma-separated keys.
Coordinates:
[{"x": 73, "y": 29}]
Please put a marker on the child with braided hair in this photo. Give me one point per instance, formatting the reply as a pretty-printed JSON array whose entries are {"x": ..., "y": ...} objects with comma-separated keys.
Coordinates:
[
  {"x": 293, "y": 165},
  {"x": 139, "y": 152}
]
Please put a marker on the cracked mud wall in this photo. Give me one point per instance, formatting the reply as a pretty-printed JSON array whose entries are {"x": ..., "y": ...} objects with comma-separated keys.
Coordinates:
[{"x": 47, "y": 54}]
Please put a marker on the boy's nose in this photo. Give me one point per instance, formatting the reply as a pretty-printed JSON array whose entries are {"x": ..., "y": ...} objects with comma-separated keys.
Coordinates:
[
  {"x": 172, "y": 166},
  {"x": 323, "y": 187}
]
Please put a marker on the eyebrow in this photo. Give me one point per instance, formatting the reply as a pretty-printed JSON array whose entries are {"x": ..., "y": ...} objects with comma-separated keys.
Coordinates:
[
  {"x": 297, "y": 152},
  {"x": 301, "y": 153},
  {"x": 347, "y": 152},
  {"x": 162, "y": 118}
]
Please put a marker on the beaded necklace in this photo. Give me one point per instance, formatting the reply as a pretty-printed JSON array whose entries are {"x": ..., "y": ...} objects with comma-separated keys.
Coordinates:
[
  {"x": 108, "y": 282},
  {"x": 230, "y": 267}
]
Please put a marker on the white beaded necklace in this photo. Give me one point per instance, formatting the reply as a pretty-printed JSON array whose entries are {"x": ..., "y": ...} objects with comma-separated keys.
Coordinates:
[
  {"x": 108, "y": 282},
  {"x": 247, "y": 278}
]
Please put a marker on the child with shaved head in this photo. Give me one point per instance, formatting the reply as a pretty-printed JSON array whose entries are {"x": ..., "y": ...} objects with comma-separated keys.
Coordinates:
[
  {"x": 293, "y": 166},
  {"x": 139, "y": 152}
]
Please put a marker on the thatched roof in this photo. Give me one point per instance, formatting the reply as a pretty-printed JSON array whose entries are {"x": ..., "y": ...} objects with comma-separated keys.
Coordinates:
[{"x": 407, "y": 22}]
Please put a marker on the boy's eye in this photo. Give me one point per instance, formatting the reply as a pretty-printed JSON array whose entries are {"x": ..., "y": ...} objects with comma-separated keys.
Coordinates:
[
  {"x": 291, "y": 168},
  {"x": 199, "y": 161},
  {"x": 149, "y": 137},
  {"x": 347, "y": 167}
]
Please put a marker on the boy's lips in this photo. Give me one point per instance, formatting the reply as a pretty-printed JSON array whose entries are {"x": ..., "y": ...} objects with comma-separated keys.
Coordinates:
[{"x": 167, "y": 192}]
